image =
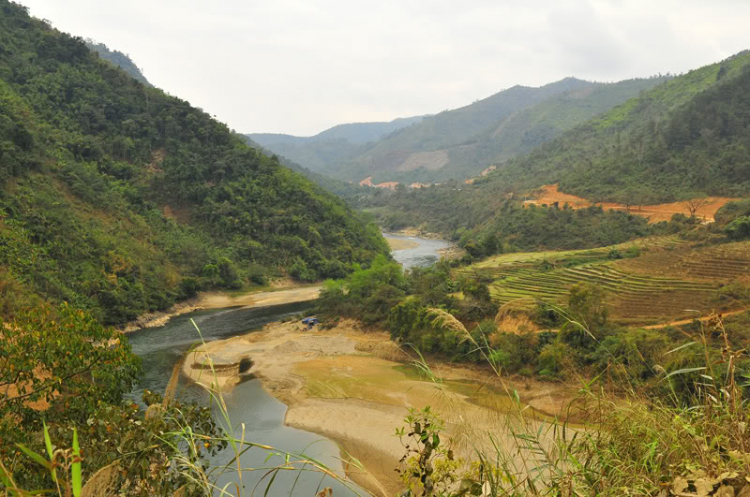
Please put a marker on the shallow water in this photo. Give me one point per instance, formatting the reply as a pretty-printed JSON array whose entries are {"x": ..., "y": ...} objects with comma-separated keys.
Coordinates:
[
  {"x": 263, "y": 416},
  {"x": 423, "y": 255}
]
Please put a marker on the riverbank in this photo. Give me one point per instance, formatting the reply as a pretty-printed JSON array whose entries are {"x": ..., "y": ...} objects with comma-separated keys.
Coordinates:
[
  {"x": 355, "y": 388},
  {"x": 219, "y": 300}
]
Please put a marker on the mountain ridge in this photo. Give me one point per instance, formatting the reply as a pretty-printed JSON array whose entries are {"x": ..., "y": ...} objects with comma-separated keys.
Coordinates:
[
  {"x": 462, "y": 142},
  {"x": 120, "y": 199}
]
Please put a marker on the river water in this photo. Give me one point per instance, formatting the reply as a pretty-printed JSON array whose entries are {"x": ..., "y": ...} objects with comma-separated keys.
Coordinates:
[
  {"x": 262, "y": 415},
  {"x": 424, "y": 254}
]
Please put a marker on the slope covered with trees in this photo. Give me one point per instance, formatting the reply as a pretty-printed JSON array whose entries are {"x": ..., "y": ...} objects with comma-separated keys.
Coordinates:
[
  {"x": 686, "y": 137},
  {"x": 461, "y": 143},
  {"x": 120, "y": 199},
  {"x": 335, "y": 144}
]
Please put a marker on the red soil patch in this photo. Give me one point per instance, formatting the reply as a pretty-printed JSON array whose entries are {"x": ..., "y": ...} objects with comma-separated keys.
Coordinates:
[
  {"x": 391, "y": 185},
  {"x": 661, "y": 212}
]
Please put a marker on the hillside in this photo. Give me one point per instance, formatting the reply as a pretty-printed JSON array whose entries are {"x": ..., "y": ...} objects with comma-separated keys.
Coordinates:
[
  {"x": 338, "y": 143},
  {"x": 119, "y": 59},
  {"x": 343, "y": 189},
  {"x": 461, "y": 143},
  {"x": 120, "y": 199},
  {"x": 424, "y": 145},
  {"x": 686, "y": 137},
  {"x": 525, "y": 130}
]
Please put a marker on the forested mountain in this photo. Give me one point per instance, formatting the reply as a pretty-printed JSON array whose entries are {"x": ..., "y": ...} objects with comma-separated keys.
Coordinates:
[
  {"x": 461, "y": 143},
  {"x": 120, "y": 199},
  {"x": 332, "y": 145},
  {"x": 119, "y": 59},
  {"x": 423, "y": 147},
  {"x": 684, "y": 138},
  {"x": 346, "y": 190}
]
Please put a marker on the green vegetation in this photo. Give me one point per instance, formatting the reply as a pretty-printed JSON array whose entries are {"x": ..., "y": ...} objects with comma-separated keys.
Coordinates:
[
  {"x": 341, "y": 142},
  {"x": 120, "y": 199},
  {"x": 659, "y": 441},
  {"x": 508, "y": 226},
  {"x": 116, "y": 199},
  {"x": 464, "y": 141},
  {"x": 684, "y": 137},
  {"x": 62, "y": 374}
]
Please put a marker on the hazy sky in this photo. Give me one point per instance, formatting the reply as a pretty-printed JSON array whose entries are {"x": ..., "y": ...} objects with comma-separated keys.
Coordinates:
[{"x": 300, "y": 66}]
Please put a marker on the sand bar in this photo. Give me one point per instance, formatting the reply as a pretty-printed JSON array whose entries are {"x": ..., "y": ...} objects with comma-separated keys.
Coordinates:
[{"x": 354, "y": 388}]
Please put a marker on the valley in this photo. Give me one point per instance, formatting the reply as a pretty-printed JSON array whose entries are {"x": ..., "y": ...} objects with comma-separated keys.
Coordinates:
[{"x": 543, "y": 291}]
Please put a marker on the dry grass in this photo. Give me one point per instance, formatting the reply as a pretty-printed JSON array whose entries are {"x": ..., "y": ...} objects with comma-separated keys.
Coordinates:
[{"x": 447, "y": 321}]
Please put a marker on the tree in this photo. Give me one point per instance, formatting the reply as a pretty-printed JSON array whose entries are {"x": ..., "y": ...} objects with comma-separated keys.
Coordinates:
[
  {"x": 695, "y": 204},
  {"x": 588, "y": 315}
]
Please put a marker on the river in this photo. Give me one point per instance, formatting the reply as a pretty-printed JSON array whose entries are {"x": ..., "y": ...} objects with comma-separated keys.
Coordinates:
[
  {"x": 424, "y": 254},
  {"x": 248, "y": 404}
]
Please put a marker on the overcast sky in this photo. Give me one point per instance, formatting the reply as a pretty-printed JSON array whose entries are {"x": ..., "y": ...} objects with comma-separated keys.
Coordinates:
[{"x": 300, "y": 66}]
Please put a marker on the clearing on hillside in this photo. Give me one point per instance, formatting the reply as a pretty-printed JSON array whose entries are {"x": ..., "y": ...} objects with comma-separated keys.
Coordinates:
[{"x": 548, "y": 195}]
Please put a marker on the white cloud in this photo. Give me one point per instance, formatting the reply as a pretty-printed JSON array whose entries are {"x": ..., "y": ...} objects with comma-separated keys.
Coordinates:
[{"x": 299, "y": 66}]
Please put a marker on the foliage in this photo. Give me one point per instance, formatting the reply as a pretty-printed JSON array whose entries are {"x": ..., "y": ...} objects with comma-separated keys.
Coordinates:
[
  {"x": 119, "y": 59},
  {"x": 684, "y": 138},
  {"x": 508, "y": 226},
  {"x": 367, "y": 293},
  {"x": 739, "y": 229},
  {"x": 428, "y": 466},
  {"x": 461, "y": 141},
  {"x": 113, "y": 192},
  {"x": 63, "y": 368}
]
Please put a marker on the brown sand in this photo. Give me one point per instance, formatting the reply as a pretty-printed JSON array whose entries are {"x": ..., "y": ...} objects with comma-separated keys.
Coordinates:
[
  {"x": 218, "y": 300},
  {"x": 661, "y": 212},
  {"x": 401, "y": 244},
  {"x": 344, "y": 384}
]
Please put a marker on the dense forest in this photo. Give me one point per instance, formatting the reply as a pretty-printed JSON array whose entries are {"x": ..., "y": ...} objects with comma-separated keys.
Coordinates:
[
  {"x": 121, "y": 199},
  {"x": 685, "y": 138},
  {"x": 461, "y": 143},
  {"x": 116, "y": 199}
]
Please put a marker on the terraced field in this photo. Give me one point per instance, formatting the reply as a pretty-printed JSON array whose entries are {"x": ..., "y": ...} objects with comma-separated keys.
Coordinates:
[
  {"x": 668, "y": 280},
  {"x": 722, "y": 262}
]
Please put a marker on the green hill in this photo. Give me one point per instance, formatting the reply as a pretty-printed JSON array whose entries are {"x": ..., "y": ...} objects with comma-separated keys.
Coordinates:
[
  {"x": 121, "y": 199},
  {"x": 335, "y": 144},
  {"x": 523, "y": 131},
  {"x": 461, "y": 143},
  {"x": 686, "y": 137},
  {"x": 343, "y": 189}
]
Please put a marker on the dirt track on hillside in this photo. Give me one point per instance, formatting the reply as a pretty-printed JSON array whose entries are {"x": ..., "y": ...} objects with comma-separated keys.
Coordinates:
[{"x": 702, "y": 319}]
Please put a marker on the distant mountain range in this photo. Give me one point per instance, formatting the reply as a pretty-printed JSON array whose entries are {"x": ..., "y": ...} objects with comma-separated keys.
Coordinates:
[
  {"x": 684, "y": 138},
  {"x": 339, "y": 143},
  {"x": 458, "y": 143}
]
